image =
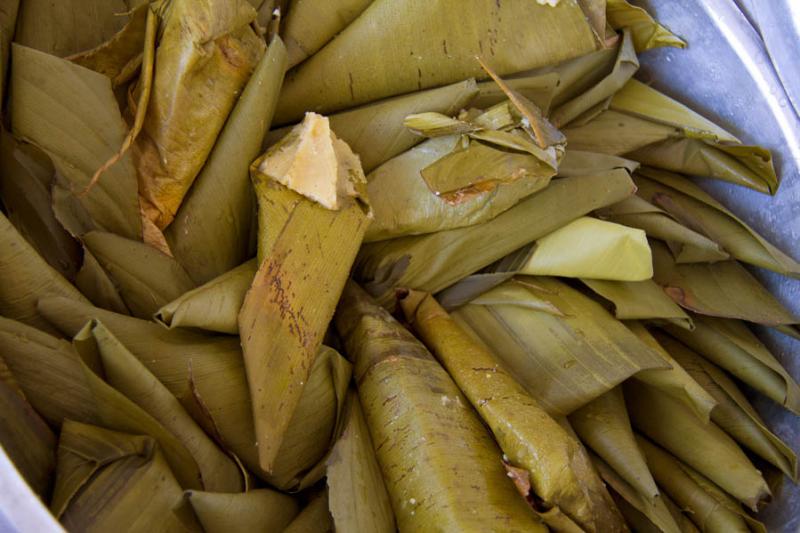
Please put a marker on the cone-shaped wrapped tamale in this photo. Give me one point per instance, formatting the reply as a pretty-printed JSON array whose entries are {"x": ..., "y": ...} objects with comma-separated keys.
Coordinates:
[
  {"x": 580, "y": 163},
  {"x": 640, "y": 300},
  {"x": 314, "y": 517},
  {"x": 442, "y": 467},
  {"x": 255, "y": 510},
  {"x": 647, "y": 33},
  {"x": 96, "y": 284},
  {"x": 312, "y": 216},
  {"x": 107, "y": 481},
  {"x": 561, "y": 476}
]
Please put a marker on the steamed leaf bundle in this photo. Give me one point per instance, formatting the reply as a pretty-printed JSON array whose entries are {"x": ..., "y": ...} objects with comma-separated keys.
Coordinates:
[
  {"x": 95, "y": 283},
  {"x": 647, "y": 33},
  {"x": 254, "y": 510},
  {"x": 640, "y": 300}
]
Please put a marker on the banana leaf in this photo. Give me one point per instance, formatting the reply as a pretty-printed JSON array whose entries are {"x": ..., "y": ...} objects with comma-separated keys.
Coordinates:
[
  {"x": 724, "y": 289},
  {"x": 603, "y": 425},
  {"x": 255, "y": 510},
  {"x": 731, "y": 345},
  {"x": 428, "y": 50},
  {"x": 578, "y": 75},
  {"x": 561, "y": 475},
  {"x": 312, "y": 217},
  {"x": 25, "y": 176},
  {"x": 579, "y": 163},
  {"x": 51, "y": 96},
  {"x": 733, "y": 412},
  {"x": 314, "y": 517},
  {"x": 701, "y": 445},
  {"x": 97, "y": 285},
  {"x": 686, "y": 245},
  {"x": 198, "y": 41},
  {"x": 646, "y": 32},
  {"x": 592, "y": 248},
  {"x": 681, "y": 518},
  {"x": 26, "y": 278},
  {"x": 563, "y": 347},
  {"x": 441, "y": 466},
  {"x": 539, "y": 89},
  {"x": 146, "y": 278},
  {"x": 357, "y": 496},
  {"x": 213, "y": 306},
  {"x": 435, "y": 261},
  {"x": 8, "y": 22},
  {"x": 108, "y": 480},
  {"x": 694, "y": 208},
  {"x": 640, "y": 300},
  {"x": 702, "y": 506},
  {"x": 211, "y": 233},
  {"x": 310, "y": 24}
]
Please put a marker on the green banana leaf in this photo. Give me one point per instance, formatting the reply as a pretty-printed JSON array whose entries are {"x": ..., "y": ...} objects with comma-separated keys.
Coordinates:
[
  {"x": 435, "y": 261},
  {"x": 579, "y": 163},
  {"x": 50, "y": 96},
  {"x": 539, "y": 89},
  {"x": 314, "y": 517},
  {"x": 312, "y": 217},
  {"x": 107, "y": 480},
  {"x": 646, "y": 32},
  {"x": 701, "y": 445},
  {"x": 428, "y": 50},
  {"x": 731, "y": 345},
  {"x": 97, "y": 285},
  {"x": 578, "y": 75},
  {"x": 420, "y": 422},
  {"x": 357, "y": 495},
  {"x": 255, "y": 510},
  {"x": 640, "y": 300},
  {"x": 681, "y": 517},
  {"x": 146, "y": 278},
  {"x": 563, "y": 347},
  {"x": 211, "y": 233},
  {"x": 560, "y": 472},
  {"x": 8, "y": 22}
]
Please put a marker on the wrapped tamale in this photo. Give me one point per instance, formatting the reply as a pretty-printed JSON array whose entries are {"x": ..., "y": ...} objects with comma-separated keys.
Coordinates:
[
  {"x": 312, "y": 216},
  {"x": 255, "y": 510},
  {"x": 640, "y": 300},
  {"x": 107, "y": 480},
  {"x": 580, "y": 163},
  {"x": 562, "y": 479},
  {"x": 314, "y": 517},
  {"x": 441, "y": 466},
  {"x": 647, "y": 33},
  {"x": 8, "y": 22},
  {"x": 96, "y": 284}
]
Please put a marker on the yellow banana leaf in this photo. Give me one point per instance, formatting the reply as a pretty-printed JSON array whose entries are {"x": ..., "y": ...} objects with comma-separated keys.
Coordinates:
[
  {"x": 434, "y": 261},
  {"x": 211, "y": 233},
  {"x": 198, "y": 41},
  {"x": 724, "y": 289},
  {"x": 314, "y": 517},
  {"x": 640, "y": 300},
  {"x": 357, "y": 495},
  {"x": 731, "y": 345},
  {"x": 579, "y": 163},
  {"x": 51, "y": 96},
  {"x": 213, "y": 306},
  {"x": 26, "y": 278},
  {"x": 592, "y": 248},
  {"x": 97, "y": 285},
  {"x": 697, "y": 210},
  {"x": 255, "y": 510},
  {"x": 108, "y": 480},
  {"x": 686, "y": 245},
  {"x": 647, "y": 33},
  {"x": 310, "y": 24},
  {"x": 561, "y": 475},
  {"x": 603, "y": 425},
  {"x": 428, "y": 50},
  {"x": 701, "y": 445},
  {"x": 563, "y": 347},
  {"x": 8, "y": 22},
  {"x": 146, "y": 278},
  {"x": 441, "y": 466}
]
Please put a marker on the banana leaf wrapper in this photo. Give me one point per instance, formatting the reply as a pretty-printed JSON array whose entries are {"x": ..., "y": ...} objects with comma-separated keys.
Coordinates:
[
  {"x": 561, "y": 475},
  {"x": 50, "y": 96},
  {"x": 707, "y": 506},
  {"x": 213, "y": 306},
  {"x": 26, "y": 278},
  {"x": 211, "y": 233},
  {"x": 538, "y": 88},
  {"x": 433, "y": 262},
  {"x": 640, "y": 300},
  {"x": 733, "y": 412},
  {"x": 312, "y": 217},
  {"x": 563, "y": 347},
  {"x": 310, "y": 24},
  {"x": 731, "y": 345},
  {"x": 145, "y": 277},
  {"x": 108, "y": 479},
  {"x": 723, "y": 289},
  {"x": 357, "y": 495},
  {"x": 679, "y": 515},
  {"x": 686, "y": 245},
  {"x": 198, "y": 42},
  {"x": 441, "y": 466},
  {"x": 96, "y": 285},
  {"x": 647, "y": 33},
  {"x": 25, "y": 190},
  {"x": 580, "y": 163},
  {"x": 604, "y": 427},
  {"x": 254, "y": 510},
  {"x": 314, "y": 517},
  {"x": 700, "y": 444},
  {"x": 8, "y": 22},
  {"x": 427, "y": 50},
  {"x": 697, "y": 210}
]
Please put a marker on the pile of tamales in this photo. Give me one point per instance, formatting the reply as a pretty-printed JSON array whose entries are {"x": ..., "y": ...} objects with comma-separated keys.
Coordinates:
[{"x": 377, "y": 265}]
